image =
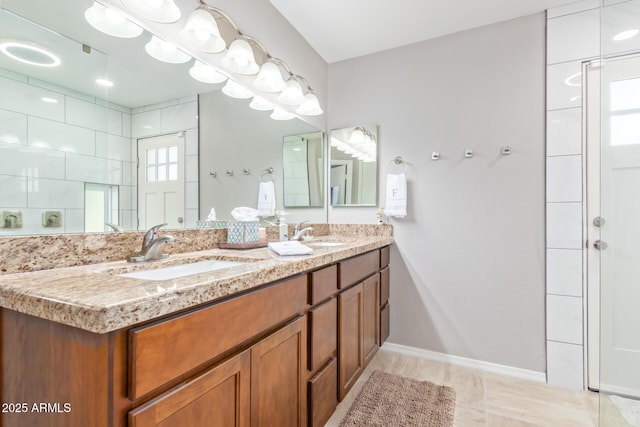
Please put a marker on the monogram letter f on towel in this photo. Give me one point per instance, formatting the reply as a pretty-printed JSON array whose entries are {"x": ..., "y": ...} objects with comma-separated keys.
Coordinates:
[{"x": 396, "y": 195}]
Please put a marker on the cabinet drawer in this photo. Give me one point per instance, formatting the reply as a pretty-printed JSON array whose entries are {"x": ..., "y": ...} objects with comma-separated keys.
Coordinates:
[
  {"x": 322, "y": 284},
  {"x": 384, "y": 323},
  {"x": 384, "y": 286},
  {"x": 384, "y": 257},
  {"x": 221, "y": 396},
  {"x": 322, "y": 394},
  {"x": 359, "y": 267},
  {"x": 163, "y": 351},
  {"x": 323, "y": 327}
]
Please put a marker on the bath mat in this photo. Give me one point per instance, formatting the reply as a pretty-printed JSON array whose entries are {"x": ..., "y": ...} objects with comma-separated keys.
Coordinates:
[
  {"x": 629, "y": 408},
  {"x": 391, "y": 400}
]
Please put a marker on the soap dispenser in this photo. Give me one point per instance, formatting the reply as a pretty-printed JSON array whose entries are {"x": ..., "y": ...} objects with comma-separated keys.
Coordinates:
[{"x": 284, "y": 228}]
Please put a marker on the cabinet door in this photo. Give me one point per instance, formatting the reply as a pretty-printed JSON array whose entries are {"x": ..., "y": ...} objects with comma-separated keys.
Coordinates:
[
  {"x": 278, "y": 377},
  {"x": 371, "y": 317},
  {"x": 322, "y": 394},
  {"x": 350, "y": 338},
  {"x": 219, "y": 397},
  {"x": 323, "y": 328}
]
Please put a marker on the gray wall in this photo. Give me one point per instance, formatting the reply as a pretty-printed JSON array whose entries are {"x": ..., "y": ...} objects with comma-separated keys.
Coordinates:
[{"x": 468, "y": 266}]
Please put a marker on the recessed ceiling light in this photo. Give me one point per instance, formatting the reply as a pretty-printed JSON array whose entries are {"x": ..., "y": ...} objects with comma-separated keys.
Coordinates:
[
  {"x": 49, "y": 100},
  {"x": 626, "y": 34},
  {"x": 28, "y": 53},
  {"x": 104, "y": 82}
]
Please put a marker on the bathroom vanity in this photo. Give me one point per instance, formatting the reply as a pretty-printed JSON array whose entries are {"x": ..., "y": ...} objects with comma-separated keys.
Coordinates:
[{"x": 273, "y": 341}]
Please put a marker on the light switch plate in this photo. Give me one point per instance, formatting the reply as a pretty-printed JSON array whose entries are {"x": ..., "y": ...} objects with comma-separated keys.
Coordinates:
[
  {"x": 52, "y": 219},
  {"x": 11, "y": 219}
]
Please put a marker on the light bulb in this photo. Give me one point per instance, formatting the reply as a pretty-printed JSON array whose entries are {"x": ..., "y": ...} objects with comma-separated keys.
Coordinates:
[
  {"x": 202, "y": 35},
  {"x": 113, "y": 16},
  {"x": 153, "y": 3}
]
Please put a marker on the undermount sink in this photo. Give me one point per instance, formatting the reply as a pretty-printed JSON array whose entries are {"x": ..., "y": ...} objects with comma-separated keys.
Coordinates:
[
  {"x": 324, "y": 243},
  {"x": 177, "y": 271}
]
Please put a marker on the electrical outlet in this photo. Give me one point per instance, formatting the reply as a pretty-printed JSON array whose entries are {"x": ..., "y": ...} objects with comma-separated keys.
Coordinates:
[
  {"x": 11, "y": 219},
  {"x": 52, "y": 219}
]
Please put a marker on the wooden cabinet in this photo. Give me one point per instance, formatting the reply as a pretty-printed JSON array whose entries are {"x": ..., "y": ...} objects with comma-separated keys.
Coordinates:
[
  {"x": 277, "y": 378},
  {"x": 217, "y": 398},
  {"x": 370, "y": 317},
  {"x": 350, "y": 338}
]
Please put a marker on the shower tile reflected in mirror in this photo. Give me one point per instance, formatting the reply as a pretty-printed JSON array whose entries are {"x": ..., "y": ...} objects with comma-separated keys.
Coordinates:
[{"x": 303, "y": 163}]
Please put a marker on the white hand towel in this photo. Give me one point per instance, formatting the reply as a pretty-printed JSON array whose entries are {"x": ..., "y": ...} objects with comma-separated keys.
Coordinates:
[
  {"x": 266, "y": 199},
  {"x": 291, "y": 247},
  {"x": 396, "y": 195}
]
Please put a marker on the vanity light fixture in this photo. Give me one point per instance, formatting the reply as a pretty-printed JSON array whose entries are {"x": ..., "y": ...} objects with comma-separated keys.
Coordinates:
[
  {"x": 165, "y": 51},
  {"x": 206, "y": 73},
  {"x": 292, "y": 94},
  {"x": 163, "y": 11},
  {"x": 240, "y": 59},
  {"x": 269, "y": 78},
  {"x": 202, "y": 33},
  {"x": 111, "y": 22},
  {"x": 29, "y": 53},
  {"x": 236, "y": 90},
  {"x": 260, "y": 104},
  {"x": 625, "y": 35},
  {"x": 280, "y": 114},
  {"x": 310, "y": 106}
]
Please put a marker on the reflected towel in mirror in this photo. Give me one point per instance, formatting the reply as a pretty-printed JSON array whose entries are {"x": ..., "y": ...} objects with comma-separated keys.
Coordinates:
[
  {"x": 396, "y": 204},
  {"x": 266, "y": 199}
]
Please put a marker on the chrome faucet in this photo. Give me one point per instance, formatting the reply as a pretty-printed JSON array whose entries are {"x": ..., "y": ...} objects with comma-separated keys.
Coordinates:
[
  {"x": 299, "y": 232},
  {"x": 152, "y": 245}
]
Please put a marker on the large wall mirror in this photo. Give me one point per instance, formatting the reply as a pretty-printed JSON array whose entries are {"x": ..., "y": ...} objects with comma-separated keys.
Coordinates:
[
  {"x": 69, "y": 147},
  {"x": 354, "y": 159}
]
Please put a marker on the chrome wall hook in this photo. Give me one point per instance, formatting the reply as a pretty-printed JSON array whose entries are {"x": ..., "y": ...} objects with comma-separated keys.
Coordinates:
[
  {"x": 435, "y": 156},
  {"x": 468, "y": 153},
  {"x": 213, "y": 174},
  {"x": 229, "y": 172},
  {"x": 246, "y": 171},
  {"x": 506, "y": 150}
]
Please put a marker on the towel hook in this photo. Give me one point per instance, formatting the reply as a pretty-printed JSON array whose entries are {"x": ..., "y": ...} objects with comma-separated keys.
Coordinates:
[
  {"x": 229, "y": 172},
  {"x": 213, "y": 174},
  {"x": 246, "y": 171},
  {"x": 267, "y": 171},
  {"x": 435, "y": 156},
  {"x": 468, "y": 153}
]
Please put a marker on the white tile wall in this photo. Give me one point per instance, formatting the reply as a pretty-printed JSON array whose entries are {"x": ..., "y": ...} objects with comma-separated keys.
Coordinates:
[
  {"x": 13, "y": 127},
  {"x": 73, "y": 220},
  {"x": 616, "y": 19},
  {"x": 191, "y": 142},
  {"x": 51, "y": 193},
  {"x": 145, "y": 124},
  {"x": 565, "y": 365},
  {"x": 113, "y": 147},
  {"x": 191, "y": 168},
  {"x": 564, "y": 179},
  {"x": 564, "y": 132},
  {"x": 564, "y": 272},
  {"x": 564, "y": 85},
  {"x": 27, "y": 161},
  {"x": 86, "y": 114},
  {"x": 191, "y": 195},
  {"x": 125, "y": 197},
  {"x": 578, "y": 6},
  {"x": 44, "y": 133},
  {"x": 23, "y": 98},
  {"x": 93, "y": 169},
  {"x": 179, "y": 117},
  {"x": 13, "y": 190},
  {"x": 574, "y": 36},
  {"x": 564, "y": 319},
  {"x": 564, "y": 225}
]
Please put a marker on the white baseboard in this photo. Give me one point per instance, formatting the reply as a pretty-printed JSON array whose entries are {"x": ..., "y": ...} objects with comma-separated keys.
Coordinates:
[{"x": 467, "y": 363}]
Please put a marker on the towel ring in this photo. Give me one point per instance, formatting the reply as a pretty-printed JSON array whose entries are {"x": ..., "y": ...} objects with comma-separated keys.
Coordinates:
[
  {"x": 398, "y": 162},
  {"x": 268, "y": 172}
]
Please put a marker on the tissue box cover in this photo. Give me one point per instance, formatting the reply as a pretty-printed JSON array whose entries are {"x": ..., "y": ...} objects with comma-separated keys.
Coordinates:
[{"x": 242, "y": 232}]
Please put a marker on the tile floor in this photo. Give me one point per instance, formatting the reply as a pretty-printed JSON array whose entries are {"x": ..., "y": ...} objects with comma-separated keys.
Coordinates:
[{"x": 486, "y": 399}]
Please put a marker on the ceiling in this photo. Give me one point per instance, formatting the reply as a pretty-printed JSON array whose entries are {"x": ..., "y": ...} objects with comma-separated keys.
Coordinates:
[{"x": 339, "y": 29}]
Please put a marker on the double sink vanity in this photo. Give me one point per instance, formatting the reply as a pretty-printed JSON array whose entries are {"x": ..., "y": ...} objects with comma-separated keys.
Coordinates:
[{"x": 215, "y": 337}]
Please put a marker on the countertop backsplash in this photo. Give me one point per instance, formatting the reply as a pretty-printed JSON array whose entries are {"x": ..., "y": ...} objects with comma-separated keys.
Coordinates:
[{"x": 34, "y": 253}]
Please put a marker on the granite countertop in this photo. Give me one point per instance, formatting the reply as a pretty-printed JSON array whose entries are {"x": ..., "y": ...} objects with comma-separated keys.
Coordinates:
[{"x": 95, "y": 298}]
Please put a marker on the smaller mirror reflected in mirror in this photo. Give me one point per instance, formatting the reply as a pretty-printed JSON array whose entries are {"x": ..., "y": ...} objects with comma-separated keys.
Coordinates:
[{"x": 354, "y": 155}]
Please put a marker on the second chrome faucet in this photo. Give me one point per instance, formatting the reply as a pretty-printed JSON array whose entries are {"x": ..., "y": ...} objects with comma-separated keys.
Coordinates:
[{"x": 152, "y": 245}]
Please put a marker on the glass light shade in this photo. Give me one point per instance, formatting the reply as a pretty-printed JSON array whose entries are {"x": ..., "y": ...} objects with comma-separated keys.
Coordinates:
[
  {"x": 356, "y": 137},
  {"x": 269, "y": 78},
  {"x": 240, "y": 59},
  {"x": 235, "y": 90},
  {"x": 292, "y": 94},
  {"x": 202, "y": 33},
  {"x": 261, "y": 104},
  {"x": 165, "y": 52},
  {"x": 280, "y": 114},
  {"x": 206, "y": 73},
  {"x": 310, "y": 106},
  {"x": 111, "y": 22},
  {"x": 164, "y": 11}
]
